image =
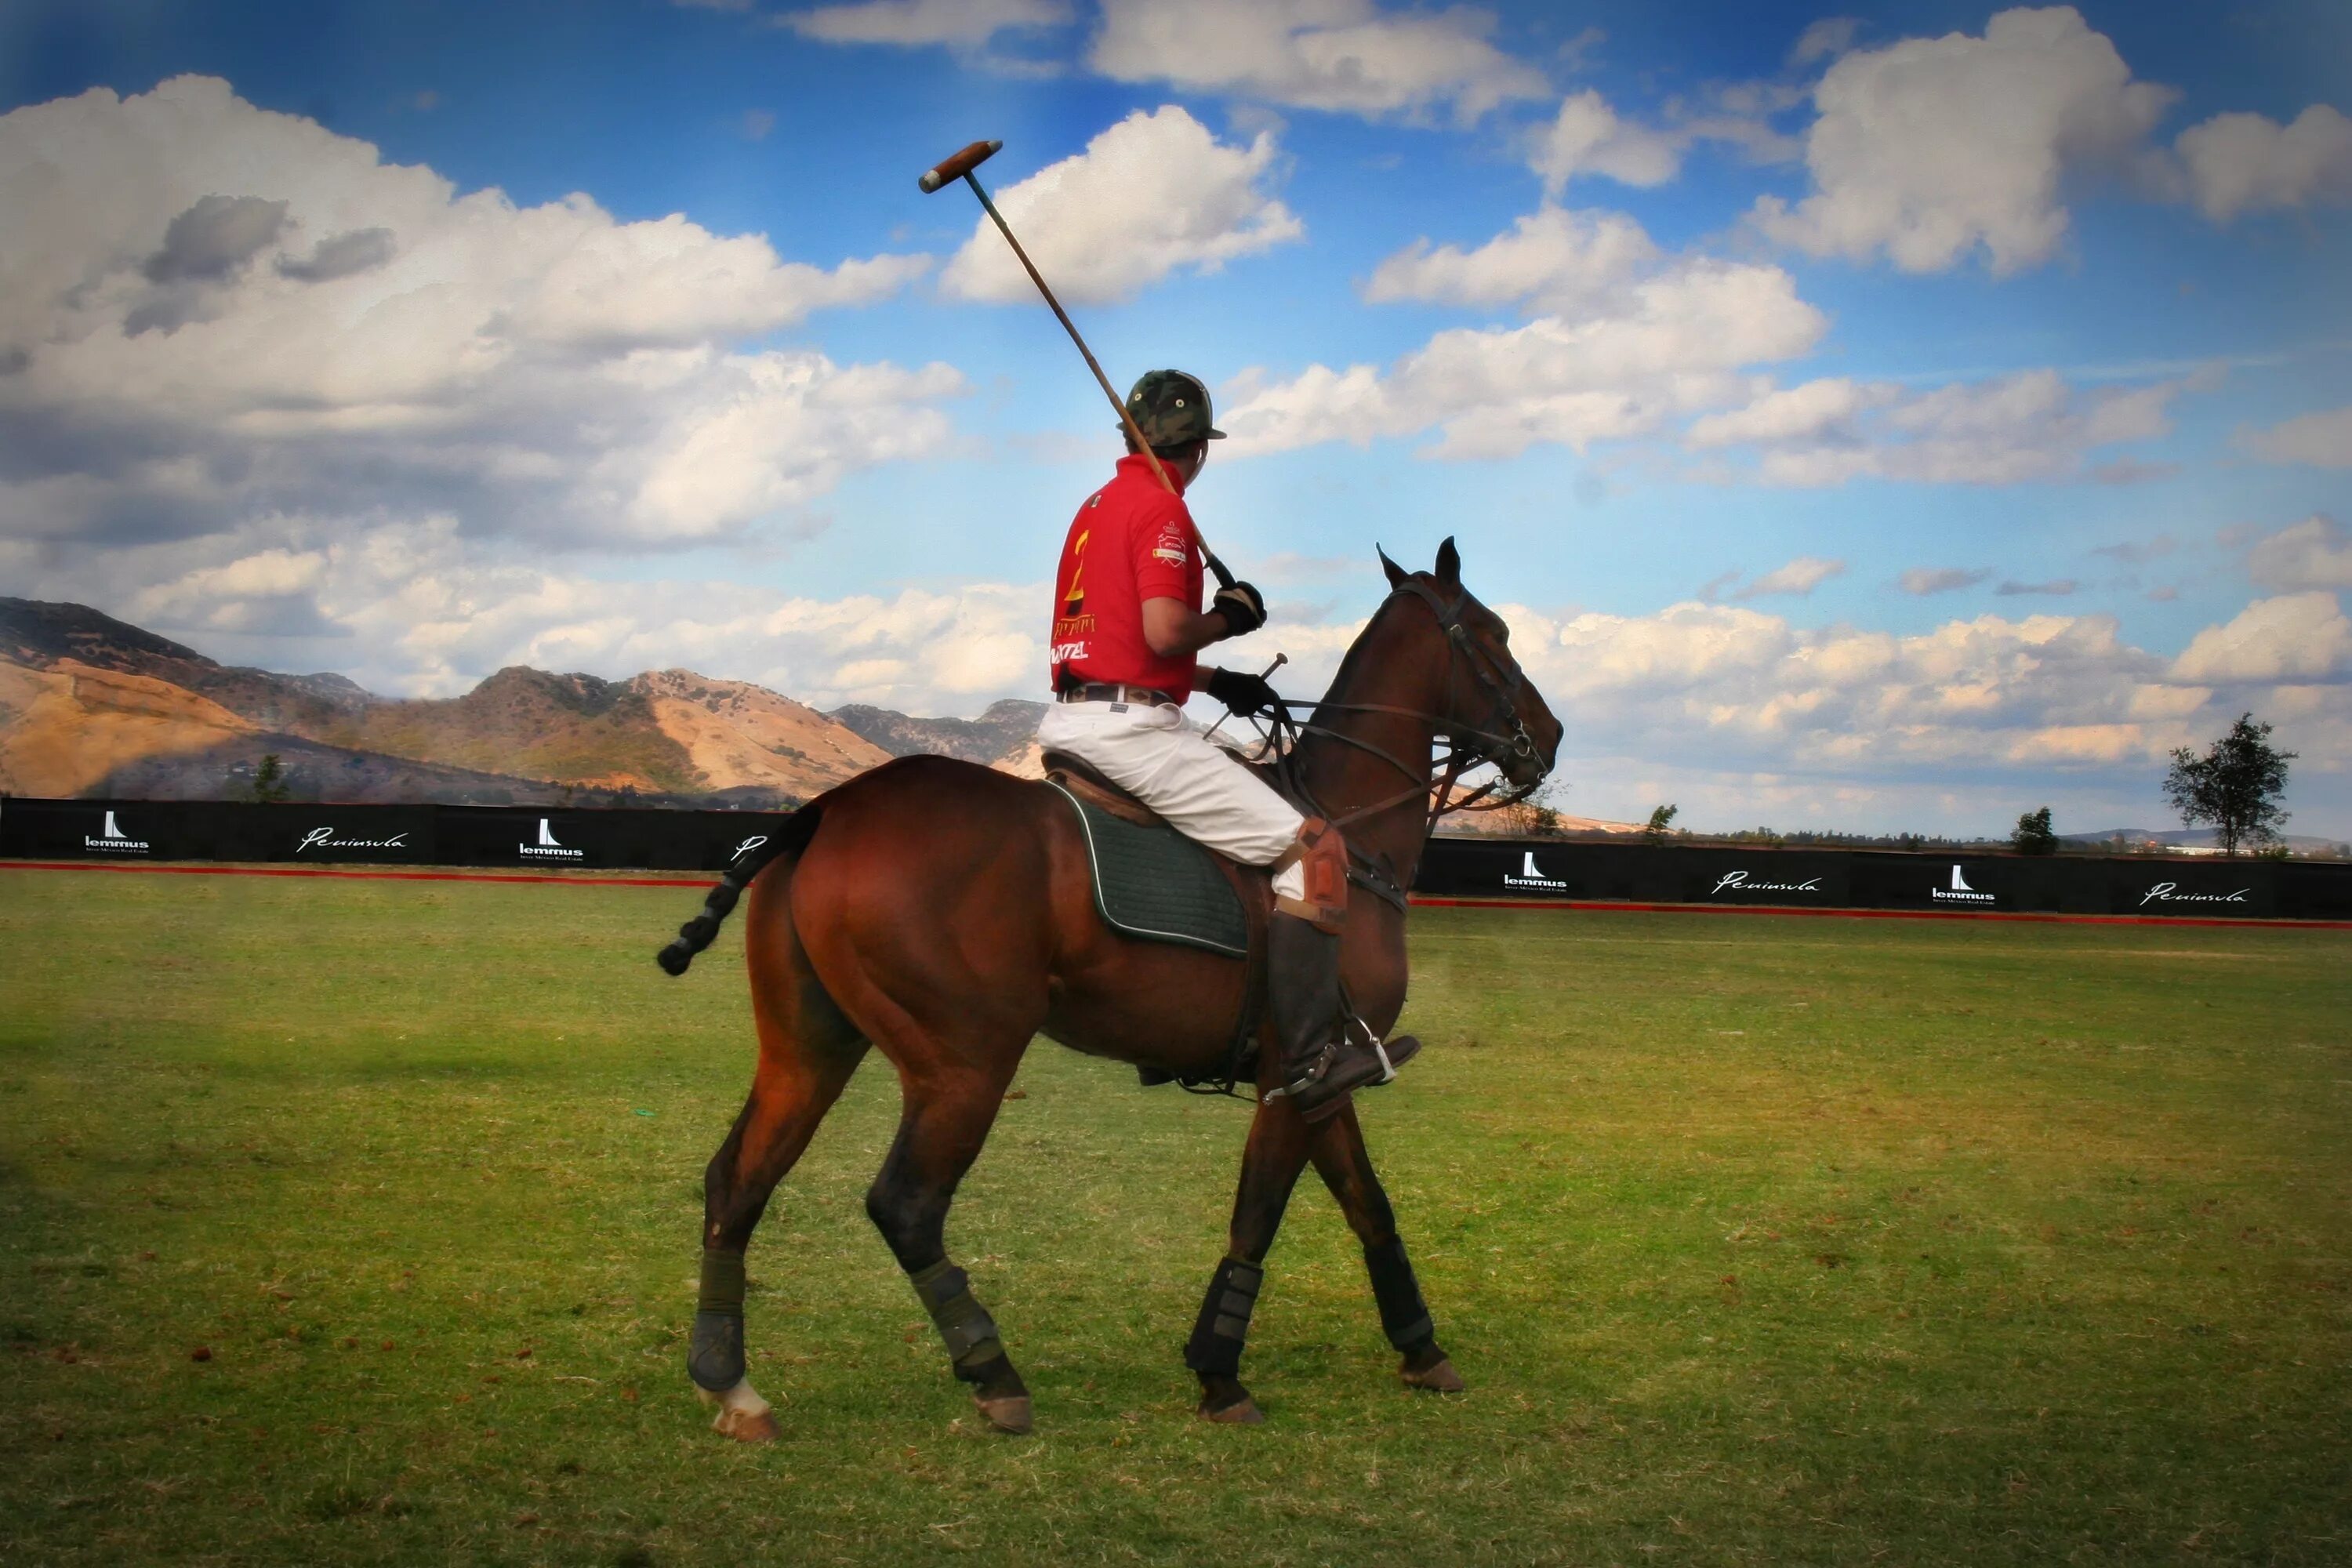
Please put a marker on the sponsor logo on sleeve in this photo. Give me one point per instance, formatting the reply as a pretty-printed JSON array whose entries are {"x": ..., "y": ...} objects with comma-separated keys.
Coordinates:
[
  {"x": 1532, "y": 876},
  {"x": 2170, "y": 893},
  {"x": 1959, "y": 892},
  {"x": 112, "y": 840},
  {"x": 547, "y": 848}
]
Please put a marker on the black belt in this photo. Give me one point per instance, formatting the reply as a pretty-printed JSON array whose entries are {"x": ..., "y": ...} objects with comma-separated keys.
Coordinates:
[{"x": 1103, "y": 692}]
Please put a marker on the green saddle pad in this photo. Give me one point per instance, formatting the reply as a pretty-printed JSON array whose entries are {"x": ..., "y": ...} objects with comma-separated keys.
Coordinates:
[{"x": 1157, "y": 884}]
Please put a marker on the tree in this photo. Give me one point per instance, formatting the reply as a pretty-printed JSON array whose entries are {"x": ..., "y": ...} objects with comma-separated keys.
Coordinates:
[
  {"x": 269, "y": 785},
  {"x": 2236, "y": 786},
  {"x": 1661, "y": 823},
  {"x": 2033, "y": 836}
]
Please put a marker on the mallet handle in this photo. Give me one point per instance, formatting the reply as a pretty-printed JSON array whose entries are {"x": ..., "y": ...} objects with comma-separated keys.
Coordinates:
[{"x": 1225, "y": 577}]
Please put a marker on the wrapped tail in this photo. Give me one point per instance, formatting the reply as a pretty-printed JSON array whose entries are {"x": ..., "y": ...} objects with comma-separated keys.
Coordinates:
[{"x": 703, "y": 929}]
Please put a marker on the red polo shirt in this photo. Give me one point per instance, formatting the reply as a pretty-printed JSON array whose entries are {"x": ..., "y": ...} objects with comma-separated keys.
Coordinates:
[{"x": 1130, "y": 541}]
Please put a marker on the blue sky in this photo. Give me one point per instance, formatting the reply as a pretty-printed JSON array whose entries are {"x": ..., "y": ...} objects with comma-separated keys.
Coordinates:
[{"x": 1875, "y": 416}]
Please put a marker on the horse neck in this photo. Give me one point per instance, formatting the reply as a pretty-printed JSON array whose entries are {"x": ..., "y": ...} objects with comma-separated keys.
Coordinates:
[{"x": 1381, "y": 668}]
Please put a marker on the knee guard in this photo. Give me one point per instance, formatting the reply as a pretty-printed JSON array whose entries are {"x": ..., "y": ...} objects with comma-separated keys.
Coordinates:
[{"x": 1321, "y": 856}]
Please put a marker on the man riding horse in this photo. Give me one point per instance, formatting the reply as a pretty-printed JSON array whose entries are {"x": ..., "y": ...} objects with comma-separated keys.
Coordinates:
[{"x": 1127, "y": 628}]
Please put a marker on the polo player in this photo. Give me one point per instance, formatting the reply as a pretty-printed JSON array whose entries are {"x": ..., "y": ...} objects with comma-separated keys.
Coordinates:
[{"x": 1127, "y": 628}]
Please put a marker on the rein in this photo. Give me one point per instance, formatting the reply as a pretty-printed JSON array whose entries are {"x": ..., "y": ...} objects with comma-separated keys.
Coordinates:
[{"x": 1438, "y": 783}]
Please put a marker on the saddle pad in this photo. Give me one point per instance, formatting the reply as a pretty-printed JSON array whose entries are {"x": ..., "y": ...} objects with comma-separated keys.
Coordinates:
[{"x": 1157, "y": 884}]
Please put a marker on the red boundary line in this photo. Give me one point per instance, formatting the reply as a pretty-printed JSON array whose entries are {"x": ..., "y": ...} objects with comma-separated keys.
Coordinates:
[
  {"x": 358, "y": 876},
  {"x": 578, "y": 879},
  {"x": 1628, "y": 907}
]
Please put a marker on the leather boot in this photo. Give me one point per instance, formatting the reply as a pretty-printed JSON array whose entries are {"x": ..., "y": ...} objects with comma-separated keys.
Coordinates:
[{"x": 1326, "y": 1056}]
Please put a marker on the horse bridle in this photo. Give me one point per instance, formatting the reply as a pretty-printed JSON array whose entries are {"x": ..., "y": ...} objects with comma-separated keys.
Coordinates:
[{"x": 1510, "y": 739}]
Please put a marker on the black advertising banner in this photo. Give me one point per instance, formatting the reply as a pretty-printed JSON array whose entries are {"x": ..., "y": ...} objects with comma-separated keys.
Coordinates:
[{"x": 513, "y": 838}]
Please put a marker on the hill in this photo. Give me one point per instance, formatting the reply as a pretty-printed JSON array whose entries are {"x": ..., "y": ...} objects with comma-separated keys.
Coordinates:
[
  {"x": 998, "y": 735},
  {"x": 92, "y": 705}
]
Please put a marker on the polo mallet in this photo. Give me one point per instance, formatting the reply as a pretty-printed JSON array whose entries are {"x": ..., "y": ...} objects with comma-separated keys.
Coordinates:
[{"x": 961, "y": 165}]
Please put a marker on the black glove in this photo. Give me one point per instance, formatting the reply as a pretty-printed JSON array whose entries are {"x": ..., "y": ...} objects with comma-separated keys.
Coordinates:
[
  {"x": 1243, "y": 692},
  {"x": 1242, "y": 606}
]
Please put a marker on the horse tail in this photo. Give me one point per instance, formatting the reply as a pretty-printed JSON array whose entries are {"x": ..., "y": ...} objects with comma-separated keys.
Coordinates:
[{"x": 703, "y": 929}]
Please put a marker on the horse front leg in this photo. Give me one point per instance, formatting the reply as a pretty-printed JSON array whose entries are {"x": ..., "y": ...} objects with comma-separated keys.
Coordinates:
[
  {"x": 1346, "y": 1167},
  {"x": 1275, "y": 1154}
]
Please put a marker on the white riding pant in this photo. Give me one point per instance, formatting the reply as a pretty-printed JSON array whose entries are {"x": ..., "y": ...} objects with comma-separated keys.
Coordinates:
[{"x": 1202, "y": 789}]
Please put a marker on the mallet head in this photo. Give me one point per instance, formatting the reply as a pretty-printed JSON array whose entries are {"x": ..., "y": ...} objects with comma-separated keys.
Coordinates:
[{"x": 957, "y": 167}]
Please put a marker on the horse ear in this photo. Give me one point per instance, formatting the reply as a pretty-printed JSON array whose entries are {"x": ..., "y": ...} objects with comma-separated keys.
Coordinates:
[
  {"x": 1397, "y": 574},
  {"x": 1449, "y": 563}
]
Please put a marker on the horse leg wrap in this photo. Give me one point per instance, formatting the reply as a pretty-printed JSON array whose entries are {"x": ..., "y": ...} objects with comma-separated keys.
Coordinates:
[
  {"x": 1403, "y": 1313},
  {"x": 1218, "y": 1335},
  {"x": 714, "y": 1357},
  {"x": 965, "y": 1325}
]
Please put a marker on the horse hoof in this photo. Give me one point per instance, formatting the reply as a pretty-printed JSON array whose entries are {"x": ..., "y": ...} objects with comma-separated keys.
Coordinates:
[
  {"x": 1243, "y": 1412},
  {"x": 1008, "y": 1414},
  {"x": 1439, "y": 1379},
  {"x": 742, "y": 1414}
]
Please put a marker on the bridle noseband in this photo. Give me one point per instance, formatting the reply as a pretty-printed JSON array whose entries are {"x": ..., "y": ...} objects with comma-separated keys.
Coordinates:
[{"x": 1507, "y": 740}]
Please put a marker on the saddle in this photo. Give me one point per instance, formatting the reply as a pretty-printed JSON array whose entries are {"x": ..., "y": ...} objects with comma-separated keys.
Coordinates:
[{"x": 1152, "y": 883}]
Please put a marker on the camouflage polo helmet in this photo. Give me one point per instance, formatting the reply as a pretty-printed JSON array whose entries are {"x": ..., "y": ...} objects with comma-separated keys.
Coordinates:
[{"x": 1171, "y": 409}]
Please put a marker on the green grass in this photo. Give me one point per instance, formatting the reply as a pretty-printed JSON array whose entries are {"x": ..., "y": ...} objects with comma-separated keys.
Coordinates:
[{"x": 1758, "y": 1240}]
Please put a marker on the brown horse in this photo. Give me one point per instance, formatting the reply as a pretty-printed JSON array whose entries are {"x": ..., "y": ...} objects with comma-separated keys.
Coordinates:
[{"x": 943, "y": 912}]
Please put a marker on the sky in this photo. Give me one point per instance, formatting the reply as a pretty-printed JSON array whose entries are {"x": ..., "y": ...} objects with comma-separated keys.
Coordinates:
[{"x": 1867, "y": 418}]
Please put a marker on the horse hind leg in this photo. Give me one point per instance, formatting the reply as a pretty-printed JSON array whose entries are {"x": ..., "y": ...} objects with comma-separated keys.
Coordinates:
[
  {"x": 1346, "y": 1167},
  {"x": 808, "y": 1050}
]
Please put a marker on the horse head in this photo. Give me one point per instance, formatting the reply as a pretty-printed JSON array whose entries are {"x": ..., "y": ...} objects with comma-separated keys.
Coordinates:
[{"x": 1491, "y": 711}]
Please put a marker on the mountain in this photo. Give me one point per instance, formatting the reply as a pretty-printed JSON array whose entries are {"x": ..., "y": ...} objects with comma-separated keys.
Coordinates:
[
  {"x": 2189, "y": 839},
  {"x": 93, "y": 706},
  {"x": 998, "y": 735}
]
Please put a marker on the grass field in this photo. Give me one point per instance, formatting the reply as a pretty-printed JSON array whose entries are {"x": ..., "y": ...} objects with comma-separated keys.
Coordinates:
[{"x": 350, "y": 1222}]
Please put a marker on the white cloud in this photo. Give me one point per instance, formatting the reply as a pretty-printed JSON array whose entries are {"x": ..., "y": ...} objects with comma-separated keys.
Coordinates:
[
  {"x": 1634, "y": 339},
  {"x": 1824, "y": 39},
  {"x": 1552, "y": 260},
  {"x": 1153, "y": 194},
  {"x": 1929, "y": 149},
  {"x": 2055, "y": 588},
  {"x": 2292, "y": 638},
  {"x": 1795, "y": 579},
  {"x": 1588, "y": 137},
  {"x": 1923, "y": 581},
  {"x": 1809, "y": 412},
  {"x": 1347, "y": 56},
  {"x": 218, "y": 312},
  {"x": 2314, "y": 554},
  {"x": 914, "y": 22},
  {"x": 2236, "y": 164},
  {"x": 2323, "y": 439},
  {"x": 2013, "y": 429}
]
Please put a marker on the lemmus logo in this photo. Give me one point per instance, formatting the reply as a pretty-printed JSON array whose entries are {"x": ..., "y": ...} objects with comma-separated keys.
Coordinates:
[
  {"x": 112, "y": 839},
  {"x": 548, "y": 848},
  {"x": 1961, "y": 892},
  {"x": 1530, "y": 876}
]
